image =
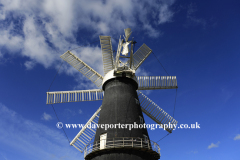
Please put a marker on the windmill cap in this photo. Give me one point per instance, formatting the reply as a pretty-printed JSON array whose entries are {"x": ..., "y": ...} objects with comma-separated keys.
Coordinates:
[{"x": 112, "y": 75}]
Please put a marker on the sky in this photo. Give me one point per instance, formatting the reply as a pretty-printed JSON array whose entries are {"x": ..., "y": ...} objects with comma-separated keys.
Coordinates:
[{"x": 197, "y": 41}]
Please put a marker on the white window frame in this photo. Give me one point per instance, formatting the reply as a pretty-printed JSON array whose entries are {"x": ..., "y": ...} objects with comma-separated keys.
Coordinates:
[{"x": 103, "y": 140}]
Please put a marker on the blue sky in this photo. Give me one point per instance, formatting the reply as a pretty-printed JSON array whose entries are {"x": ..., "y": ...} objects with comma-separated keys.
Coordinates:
[{"x": 196, "y": 41}]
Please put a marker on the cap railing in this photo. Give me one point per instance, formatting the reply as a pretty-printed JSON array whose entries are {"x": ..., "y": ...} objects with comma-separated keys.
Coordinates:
[{"x": 122, "y": 142}]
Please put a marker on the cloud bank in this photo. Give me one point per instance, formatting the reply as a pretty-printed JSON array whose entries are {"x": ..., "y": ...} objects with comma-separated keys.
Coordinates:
[{"x": 42, "y": 30}]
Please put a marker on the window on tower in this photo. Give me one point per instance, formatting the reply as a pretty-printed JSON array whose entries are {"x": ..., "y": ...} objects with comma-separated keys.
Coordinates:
[{"x": 103, "y": 139}]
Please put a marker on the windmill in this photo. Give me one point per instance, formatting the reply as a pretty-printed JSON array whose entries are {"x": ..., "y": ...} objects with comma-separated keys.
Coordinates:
[{"x": 123, "y": 104}]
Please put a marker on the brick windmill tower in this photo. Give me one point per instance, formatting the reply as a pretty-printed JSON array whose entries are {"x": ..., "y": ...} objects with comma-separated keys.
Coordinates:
[{"x": 120, "y": 132}]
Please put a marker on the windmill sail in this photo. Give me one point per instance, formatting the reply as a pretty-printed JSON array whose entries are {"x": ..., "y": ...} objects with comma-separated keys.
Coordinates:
[
  {"x": 118, "y": 52},
  {"x": 155, "y": 112},
  {"x": 107, "y": 53},
  {"x": 82, "y": 67},
  {"x": 140, "y": 56},
  {"x": 86, "y": 134},
  {"x": 74, "y": 96},
  {"x": 156, "y": 82}
]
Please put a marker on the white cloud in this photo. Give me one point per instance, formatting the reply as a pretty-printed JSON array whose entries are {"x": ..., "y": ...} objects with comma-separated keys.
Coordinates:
[
  {"x": 237, "y": 137},
  {"x": 151, "y": 31},
  {"x": 80, "y": 111},
  {"x": 43, "y": 30},
  {"x": 39, "y": 141},
  {"x": 61, "y": 14},
  {"x": 212, "y": 145},
  {"x": 13, "y": 43},
  {"x": 46, "y": 117},
  {"x": 192, "y": 19},
  {"x": 91, "y": 56},
  {"x": 35, "y": 46},
  {"x": 194, "y": 152},
  {"x": 83, "y": 83},
  {"x": 1, "y": 58},
  {"x": 29, "y": 65},
  {"x": 165, "y": 14},
  {"x": 142, "y": 72},
  {"x": 68, "y": 113}
]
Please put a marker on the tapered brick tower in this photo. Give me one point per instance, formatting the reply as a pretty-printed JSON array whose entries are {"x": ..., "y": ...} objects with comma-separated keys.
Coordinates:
[{"x": 121, "y": 109}]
